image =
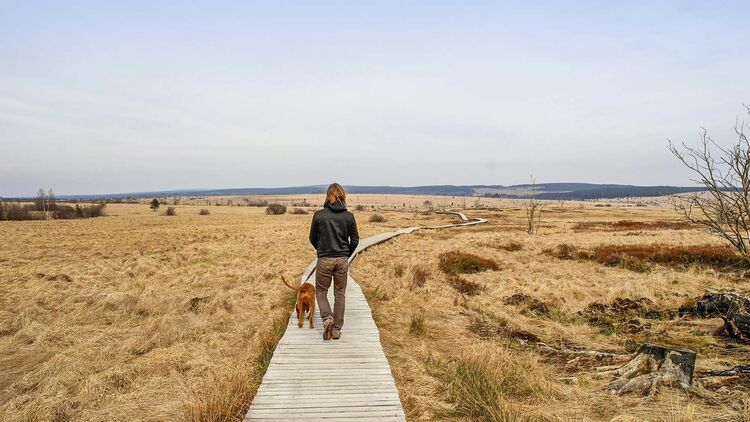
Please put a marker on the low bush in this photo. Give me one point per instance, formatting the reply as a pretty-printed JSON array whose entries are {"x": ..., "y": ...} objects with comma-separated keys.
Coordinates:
[
  {"x": 717, "y": 256},
  {"x": 66, "y": 212},
  {"x": 637, "y": 257},
  {"x": 203, "y": 212},
  {"x": 464, "y": 286},
  {"x": 16, "y": 212},
  {"x": 276, "y": 209},
  {"x": 19, "y": 212},
  {"x": 299, "y": 211},
  {"x": 511, "y": 246},
  {"x": 626, "y": 225},
  {"x": 359, "y": 208},
  {"x": 256, "y": 203},
  {"x": 171, "y": 211},
  {"x": 565, "y": 251},
  {"x": 91, "y": 211},
  {"x": 377, "y": 218},
  {"x": 456, "y": 262},
  {"x": 419, "y": 276},
  {"x": 532, "y": 305}
]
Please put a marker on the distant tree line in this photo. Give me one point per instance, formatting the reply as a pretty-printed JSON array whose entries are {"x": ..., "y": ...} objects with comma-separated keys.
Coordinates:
[{"x": 45, "y": 206}]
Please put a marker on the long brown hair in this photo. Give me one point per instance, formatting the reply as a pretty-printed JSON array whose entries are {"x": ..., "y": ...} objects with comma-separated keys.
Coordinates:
[{"x": 335, "y": 193}]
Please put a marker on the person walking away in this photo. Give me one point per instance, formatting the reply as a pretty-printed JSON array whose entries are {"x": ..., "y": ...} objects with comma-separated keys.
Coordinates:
[{"x": 333, "y": 234}]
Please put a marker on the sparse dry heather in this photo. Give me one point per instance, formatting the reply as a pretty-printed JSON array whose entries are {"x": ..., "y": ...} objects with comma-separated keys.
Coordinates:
[
  {"x": 449, "y": 351},
  {"x": 139, "y": 316}
]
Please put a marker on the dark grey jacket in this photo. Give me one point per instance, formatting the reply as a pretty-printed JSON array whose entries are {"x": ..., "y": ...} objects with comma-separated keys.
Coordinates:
[{"x": 333, "y": 232}]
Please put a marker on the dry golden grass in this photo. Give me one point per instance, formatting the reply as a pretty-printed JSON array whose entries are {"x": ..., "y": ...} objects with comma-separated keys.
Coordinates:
[
  {"x": 466, "y": 357},
  {"x": 140, "y": 316}
]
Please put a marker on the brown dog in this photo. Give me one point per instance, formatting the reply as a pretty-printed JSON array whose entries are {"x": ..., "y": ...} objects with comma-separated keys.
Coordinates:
[{"x": 305, "y": 301}]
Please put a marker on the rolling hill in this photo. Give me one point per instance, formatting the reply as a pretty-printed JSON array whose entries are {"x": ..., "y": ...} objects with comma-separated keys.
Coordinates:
[{"x": 551, "y": 191}]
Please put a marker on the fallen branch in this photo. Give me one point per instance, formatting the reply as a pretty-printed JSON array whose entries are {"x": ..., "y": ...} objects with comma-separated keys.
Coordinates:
[
  {"x": 737, "y": 370},
  {"x": 733, "y": 308}
]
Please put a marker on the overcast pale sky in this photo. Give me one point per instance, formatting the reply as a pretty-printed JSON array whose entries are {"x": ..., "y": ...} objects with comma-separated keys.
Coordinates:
[{"x": 104, "y": 96}]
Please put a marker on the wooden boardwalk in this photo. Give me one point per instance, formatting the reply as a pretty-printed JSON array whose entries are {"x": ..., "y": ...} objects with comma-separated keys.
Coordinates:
[{"x": 345, "y": 379}]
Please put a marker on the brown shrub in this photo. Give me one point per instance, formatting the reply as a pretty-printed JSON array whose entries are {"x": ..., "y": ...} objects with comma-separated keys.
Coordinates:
[
  {"x": 626, "y": 225},
  {"x": 377, "y": 218},
  {"x": 256, "y": 202},
  {"x": 622, "y": 315},
  {"x": 419, "y": 276},
  {"x": 203, "y": 212},
  {"x": 717, "y": 256},
  {"x": 299, "y": 211},
  {"x": 276, "y": 209},
  {"x": 486, "y": 328},
  {"x": 171, "y": 211},
  {"x": 64, "y": 212},
  {"x": 456, "y": 262},
  {"x": 637, "y": 257},
  {"x": 511, "y": 246},
  {"x": 398, "y": 270},
  {"x": 652, "y": 225},
  {"x": 91, "y": 211},
  {"x": 464, "y": 286},
  {"x": 359, "y": 208},
  {"x": 566, "y": 251},
  {"x": 18, "y": 212},
  {"x": 533, "y": 305}
]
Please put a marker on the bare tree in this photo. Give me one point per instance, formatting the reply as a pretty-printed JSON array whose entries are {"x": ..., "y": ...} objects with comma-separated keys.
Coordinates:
[
  {"x": 51, "y": 202},
  {"x": 40, "y": 202},
  {"x": 533, "y": 211},
  {"x": 724, "y": 207}
]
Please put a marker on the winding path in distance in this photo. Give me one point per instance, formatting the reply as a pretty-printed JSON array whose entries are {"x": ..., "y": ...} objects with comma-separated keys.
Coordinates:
[{"x": 338, "y": 380}]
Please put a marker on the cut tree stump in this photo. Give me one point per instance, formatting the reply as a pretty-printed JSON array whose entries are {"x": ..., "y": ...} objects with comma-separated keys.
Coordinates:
[
  {"x": 733, "y": 308},
  {"x": 653, "y": 367}
]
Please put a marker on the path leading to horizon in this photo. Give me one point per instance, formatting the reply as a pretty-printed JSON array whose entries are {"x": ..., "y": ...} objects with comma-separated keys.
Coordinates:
[{"x": 347, "y": 379}]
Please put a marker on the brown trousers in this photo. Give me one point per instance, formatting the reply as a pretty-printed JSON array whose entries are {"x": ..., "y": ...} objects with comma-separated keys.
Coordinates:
[{"x": 338, "y": 270}]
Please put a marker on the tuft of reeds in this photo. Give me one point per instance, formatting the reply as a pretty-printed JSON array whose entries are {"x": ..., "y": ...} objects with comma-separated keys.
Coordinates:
[
  {"x": 417, "y": 324},
  {"x": 483, "y": 383}
]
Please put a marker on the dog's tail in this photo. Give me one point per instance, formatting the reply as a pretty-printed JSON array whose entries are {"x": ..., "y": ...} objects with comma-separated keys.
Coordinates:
[{"x": 296, "y": 289}]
